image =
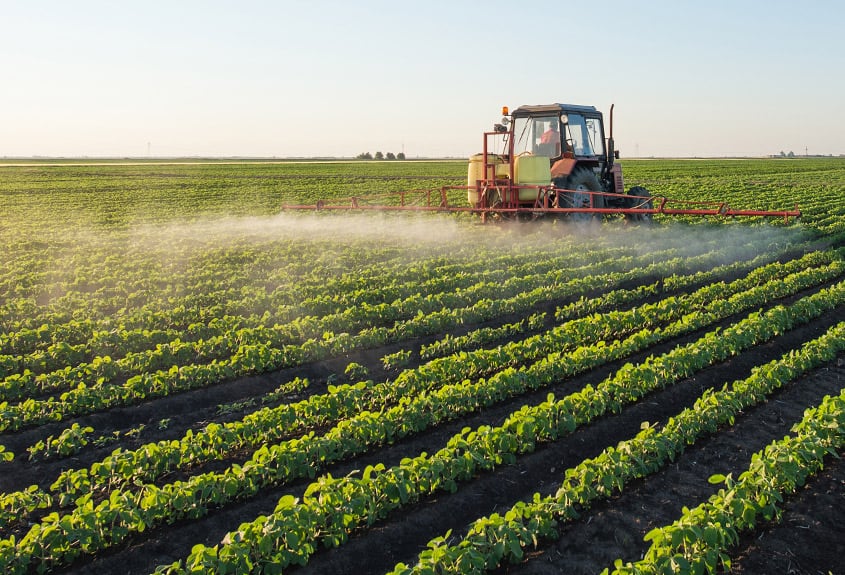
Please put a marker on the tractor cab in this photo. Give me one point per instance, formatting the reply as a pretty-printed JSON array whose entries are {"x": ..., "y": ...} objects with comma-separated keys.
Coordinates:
[
  {"x": 561, "y": 131},
  {"x": 573, "y": 139}
]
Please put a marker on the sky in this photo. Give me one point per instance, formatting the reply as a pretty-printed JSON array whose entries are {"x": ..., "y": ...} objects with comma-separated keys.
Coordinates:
[{"x": 318, "y": 78}]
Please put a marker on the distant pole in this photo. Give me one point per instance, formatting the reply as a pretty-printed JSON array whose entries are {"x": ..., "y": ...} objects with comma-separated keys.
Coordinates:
[{"x": 148, "y": 149}]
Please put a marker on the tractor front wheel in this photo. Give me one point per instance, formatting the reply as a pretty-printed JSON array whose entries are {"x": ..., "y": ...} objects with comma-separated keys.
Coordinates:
[{"x": 640, "y": 198}]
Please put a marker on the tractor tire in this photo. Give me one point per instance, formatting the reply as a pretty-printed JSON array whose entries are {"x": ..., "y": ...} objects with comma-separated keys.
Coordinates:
[
  {"x": 636, "y": 199},
  {"x": 582, "y": 180}
]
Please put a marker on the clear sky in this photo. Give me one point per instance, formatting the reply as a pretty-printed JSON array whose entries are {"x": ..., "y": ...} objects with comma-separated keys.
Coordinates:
[{"x": 340, "y": 77}]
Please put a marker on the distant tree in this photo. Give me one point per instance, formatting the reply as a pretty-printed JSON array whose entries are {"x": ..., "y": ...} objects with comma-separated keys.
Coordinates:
[
  {"x": 791, "y": 154},
  {"x": 400, "y": 156},
  {"x": 364, "y": 156},
  {"x": 390, "y": 156},
  {"x": 379, "y": 156}
]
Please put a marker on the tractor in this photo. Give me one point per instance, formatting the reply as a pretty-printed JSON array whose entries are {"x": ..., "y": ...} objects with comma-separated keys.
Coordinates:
[{"x": 556, "y": 160}]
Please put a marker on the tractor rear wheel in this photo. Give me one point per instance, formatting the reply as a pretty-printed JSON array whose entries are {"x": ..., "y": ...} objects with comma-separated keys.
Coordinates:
[
  {"x": 582, "y": 180},
  {"x": 637, "y": 199}
]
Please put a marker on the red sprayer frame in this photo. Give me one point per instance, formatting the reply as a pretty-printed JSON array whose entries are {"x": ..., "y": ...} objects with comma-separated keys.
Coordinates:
[{"x": 437, "y": 201}]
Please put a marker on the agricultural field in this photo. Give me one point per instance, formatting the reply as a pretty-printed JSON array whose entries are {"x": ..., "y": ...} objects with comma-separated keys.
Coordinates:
[{"x": 194, "y": 381}]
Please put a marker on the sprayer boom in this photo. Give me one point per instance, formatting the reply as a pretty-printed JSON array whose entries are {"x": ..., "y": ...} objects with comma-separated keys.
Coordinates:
[{"x": 549, "y": 200}]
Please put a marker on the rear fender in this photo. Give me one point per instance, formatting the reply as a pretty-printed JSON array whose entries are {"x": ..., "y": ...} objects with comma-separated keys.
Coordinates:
[{"x": 563, "y": 167}]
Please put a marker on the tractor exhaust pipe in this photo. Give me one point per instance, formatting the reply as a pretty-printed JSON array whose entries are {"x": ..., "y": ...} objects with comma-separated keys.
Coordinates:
[{"x": 611, "y": 148}]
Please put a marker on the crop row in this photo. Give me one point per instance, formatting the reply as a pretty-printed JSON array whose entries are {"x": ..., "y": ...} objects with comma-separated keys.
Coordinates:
[
  {"x": 91, "y": 527},
  {"x": 610, "y": 300},
  {"x": 271, "y": 424},
  {"x": 331, "y": 508},
  {"x": 477, "y": 338},
  {"x": 223, "y": 337},
  {"x": 243, "y": 305},
  {"x": 607, "y": 300},
  {"x": 224, "y": 312},
  {"x": 815, "y": 185},
  {"x": 502, "y": 538},
  {"x": 221, "y": 282},
  {"x": 298, "y": 323},
  {"x": 700, "y": 539},
  {"x": 250, "y": 351}
]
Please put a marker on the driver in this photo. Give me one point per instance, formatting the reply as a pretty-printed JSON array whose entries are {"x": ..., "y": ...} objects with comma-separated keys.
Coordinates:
[{"x": 552, "y": 135}]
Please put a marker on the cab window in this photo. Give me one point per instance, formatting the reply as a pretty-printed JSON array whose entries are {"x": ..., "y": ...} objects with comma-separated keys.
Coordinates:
[
  {"x": 539, "y": 135},
  {"x": 584, "y": 135}
]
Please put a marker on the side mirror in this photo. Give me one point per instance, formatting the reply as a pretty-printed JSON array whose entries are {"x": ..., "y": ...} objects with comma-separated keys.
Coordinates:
[{"x": 616, "y": 154}]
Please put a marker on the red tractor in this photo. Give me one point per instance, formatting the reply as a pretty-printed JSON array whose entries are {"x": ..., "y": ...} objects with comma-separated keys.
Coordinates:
[{"x": 556, "y": 159}]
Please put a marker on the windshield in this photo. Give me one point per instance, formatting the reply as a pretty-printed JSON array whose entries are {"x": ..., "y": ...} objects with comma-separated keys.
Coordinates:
[
  {"x": 539, "y": 135},
  {"x": 584, "y": 135}
]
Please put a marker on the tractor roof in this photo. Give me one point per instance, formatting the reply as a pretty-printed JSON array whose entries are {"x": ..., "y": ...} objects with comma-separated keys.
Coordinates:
[{"x": 553, "y": 109}]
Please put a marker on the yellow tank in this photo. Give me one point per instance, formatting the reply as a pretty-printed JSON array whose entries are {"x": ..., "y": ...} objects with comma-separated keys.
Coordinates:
[
  {"x": 531, "y": 171},
  {"x": 475, "y": 172}
]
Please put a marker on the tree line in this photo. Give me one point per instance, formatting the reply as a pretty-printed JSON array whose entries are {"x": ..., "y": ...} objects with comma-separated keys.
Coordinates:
[{"x": 380, "y": 156}]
